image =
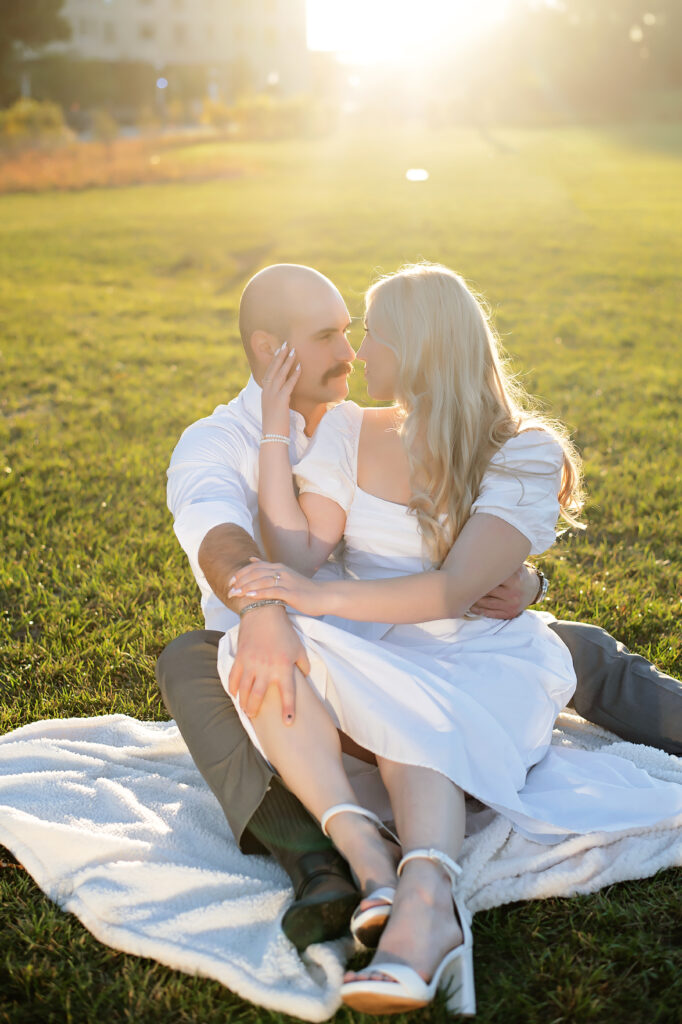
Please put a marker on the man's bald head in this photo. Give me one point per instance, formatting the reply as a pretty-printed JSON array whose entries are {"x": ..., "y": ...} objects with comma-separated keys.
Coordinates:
[{"x": 276, "y": 297}]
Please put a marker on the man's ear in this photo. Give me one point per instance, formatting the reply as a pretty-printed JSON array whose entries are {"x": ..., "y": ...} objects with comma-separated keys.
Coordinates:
[{"x": 264, "y": 345}]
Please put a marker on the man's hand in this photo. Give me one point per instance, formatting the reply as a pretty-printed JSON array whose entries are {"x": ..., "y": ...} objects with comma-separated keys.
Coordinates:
[
  {"x": 511, "y": 597},
  {"x": 268, "y": 650}
]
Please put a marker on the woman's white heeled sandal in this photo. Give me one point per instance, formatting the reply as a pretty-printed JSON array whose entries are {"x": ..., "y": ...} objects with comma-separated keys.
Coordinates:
[
  {"x": 406, "y": 990},
  {"x": 363, "y": 812},
  {"x": 367, "y": 925}
]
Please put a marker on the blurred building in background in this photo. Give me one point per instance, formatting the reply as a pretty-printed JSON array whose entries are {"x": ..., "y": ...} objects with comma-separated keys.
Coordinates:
[
  {"x": 262, "y": 39},
  {"x": 217, "y": 48}
]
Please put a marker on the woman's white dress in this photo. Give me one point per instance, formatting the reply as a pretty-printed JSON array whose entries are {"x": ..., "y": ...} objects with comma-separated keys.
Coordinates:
[{"x": 473, "y": 698}]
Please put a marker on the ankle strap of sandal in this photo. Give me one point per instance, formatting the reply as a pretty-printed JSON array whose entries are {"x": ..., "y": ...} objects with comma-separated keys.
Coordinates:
[
  {"x": 450, "y": 866},
  {"x": 363, "y": 812}
]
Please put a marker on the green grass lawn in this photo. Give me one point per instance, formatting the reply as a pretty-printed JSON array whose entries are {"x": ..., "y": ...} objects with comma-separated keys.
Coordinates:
[{"x": 118, "y": 328}]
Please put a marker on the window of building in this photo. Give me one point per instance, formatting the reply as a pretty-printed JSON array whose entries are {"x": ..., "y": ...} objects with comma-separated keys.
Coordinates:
[
  {"x": 109, "y": 32},
  {"x": 146, "y": 30},
  {"x": 180, "y": 33}
]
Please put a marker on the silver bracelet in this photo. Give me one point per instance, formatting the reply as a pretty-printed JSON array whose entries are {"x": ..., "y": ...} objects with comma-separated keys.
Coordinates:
[
  {"x": 261, "y": 604},
  {"x": 273, "y": 440}
]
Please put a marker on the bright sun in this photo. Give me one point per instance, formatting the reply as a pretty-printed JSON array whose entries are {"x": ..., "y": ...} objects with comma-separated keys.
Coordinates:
[{"x": 365, "y": 31}]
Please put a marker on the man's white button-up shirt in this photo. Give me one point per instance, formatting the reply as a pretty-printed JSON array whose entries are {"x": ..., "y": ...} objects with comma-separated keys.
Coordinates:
[{"x": 213, "y": 479}]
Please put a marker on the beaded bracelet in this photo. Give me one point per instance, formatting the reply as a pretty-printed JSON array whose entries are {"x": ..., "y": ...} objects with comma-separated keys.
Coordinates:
[
  {"x": 261, "y": 604},
  {"x": 274, "y": 439}
]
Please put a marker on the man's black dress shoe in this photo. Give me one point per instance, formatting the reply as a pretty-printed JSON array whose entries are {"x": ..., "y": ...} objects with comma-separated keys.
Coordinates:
[{"x": 325, "y": 897}]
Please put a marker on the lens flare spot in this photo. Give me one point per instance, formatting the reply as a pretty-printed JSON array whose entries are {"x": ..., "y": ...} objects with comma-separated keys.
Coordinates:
[{"x": 417, "y": 174}]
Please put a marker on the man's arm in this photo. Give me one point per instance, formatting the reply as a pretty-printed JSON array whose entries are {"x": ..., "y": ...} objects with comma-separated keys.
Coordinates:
[
  {"x": 208, "y": 496},
  {"x": 224, "y": 549},
  {"x": 268, "y": 647}
]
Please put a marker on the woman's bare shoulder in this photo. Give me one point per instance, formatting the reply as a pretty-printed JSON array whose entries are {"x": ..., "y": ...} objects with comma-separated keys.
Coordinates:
[{"x": 378, "y": 420}]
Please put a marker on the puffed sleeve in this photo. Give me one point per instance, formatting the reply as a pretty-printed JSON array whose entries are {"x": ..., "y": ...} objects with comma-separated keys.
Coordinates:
[
  {"x": 521, "y": 486},
  {"x": 329, "y": 467}
]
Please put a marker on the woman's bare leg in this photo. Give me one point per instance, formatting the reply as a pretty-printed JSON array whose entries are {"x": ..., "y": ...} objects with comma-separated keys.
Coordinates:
[
  {"x": 429, "y": 812},
  {"x": 307, "y": 755}
]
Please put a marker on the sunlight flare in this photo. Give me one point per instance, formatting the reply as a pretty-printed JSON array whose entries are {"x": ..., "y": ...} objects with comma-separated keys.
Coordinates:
[{"x": 367, "y": 31}]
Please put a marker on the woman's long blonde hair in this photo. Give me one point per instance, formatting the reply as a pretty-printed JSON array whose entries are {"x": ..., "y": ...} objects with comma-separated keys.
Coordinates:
[{"x": 456, "y": 399}]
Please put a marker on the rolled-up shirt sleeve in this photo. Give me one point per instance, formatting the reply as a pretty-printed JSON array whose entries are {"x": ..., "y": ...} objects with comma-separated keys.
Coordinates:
[{"x": 206, "y": 484}]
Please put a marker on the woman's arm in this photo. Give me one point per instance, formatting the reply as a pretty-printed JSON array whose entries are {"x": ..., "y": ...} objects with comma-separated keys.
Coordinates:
[
  {"x": 486, "y": 552},
  {"x": 300, "y": 535}
]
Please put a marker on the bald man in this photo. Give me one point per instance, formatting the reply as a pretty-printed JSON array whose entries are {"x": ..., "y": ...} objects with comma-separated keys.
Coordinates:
[{"x": 213, "y": 496}]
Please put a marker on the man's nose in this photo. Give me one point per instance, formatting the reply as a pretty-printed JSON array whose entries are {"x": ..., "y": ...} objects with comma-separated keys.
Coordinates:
[{"x": 346, "y": 351}]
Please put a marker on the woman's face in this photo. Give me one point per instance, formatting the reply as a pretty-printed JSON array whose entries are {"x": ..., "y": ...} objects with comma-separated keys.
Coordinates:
[{"x": 381, "y": 362}]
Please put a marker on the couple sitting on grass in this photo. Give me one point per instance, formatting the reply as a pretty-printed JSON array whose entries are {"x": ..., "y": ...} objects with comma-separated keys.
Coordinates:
[{"x": 368, "y": 688}]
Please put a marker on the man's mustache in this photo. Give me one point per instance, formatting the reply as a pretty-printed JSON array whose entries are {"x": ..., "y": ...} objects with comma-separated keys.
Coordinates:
[{"x": 340, "y": 370}]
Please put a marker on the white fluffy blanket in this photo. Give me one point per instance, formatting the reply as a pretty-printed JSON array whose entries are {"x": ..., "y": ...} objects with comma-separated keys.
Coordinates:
[{"x": 113, "y": 821}]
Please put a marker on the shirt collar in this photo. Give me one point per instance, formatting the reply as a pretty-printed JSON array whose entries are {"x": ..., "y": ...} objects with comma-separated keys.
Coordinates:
[{"x": 251, "y": 396}]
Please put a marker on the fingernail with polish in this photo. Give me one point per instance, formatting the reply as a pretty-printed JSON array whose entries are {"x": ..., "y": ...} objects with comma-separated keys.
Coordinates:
[
  {"x": 232, "y": 581},
  {"x": 234, "y": 592},
  {"x": 250, "y": 593},
  {"x": 292, "y": 354}
]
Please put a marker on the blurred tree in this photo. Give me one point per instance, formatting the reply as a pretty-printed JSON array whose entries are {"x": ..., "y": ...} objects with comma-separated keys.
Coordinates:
[
  {"x": 28, "y": 122},
  {"x": 31, "y": 23},
  {"x": 605, "y": 56},
  {"x": 559, "y": 60}
]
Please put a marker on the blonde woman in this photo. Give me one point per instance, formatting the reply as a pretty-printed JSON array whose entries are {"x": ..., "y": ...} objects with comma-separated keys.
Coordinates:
[{"x": 438, "y": 497}]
